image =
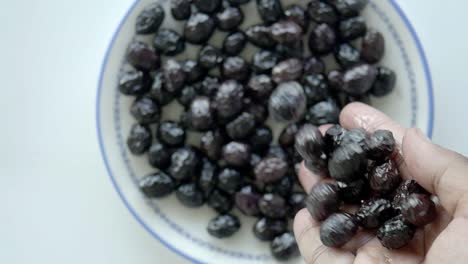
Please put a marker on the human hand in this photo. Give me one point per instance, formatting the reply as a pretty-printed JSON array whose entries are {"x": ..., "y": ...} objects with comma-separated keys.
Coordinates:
[{"x": 440, "y": 171}]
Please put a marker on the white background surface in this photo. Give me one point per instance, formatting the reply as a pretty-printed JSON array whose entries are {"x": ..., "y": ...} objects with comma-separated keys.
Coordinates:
[{"x": 57, "y": 203}]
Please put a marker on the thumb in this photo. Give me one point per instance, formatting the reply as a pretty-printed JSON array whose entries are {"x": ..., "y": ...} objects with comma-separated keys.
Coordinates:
[{"x": 438, "y": 170}]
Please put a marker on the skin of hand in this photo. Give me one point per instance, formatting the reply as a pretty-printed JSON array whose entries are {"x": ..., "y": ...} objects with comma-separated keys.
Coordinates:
[{"x": 440, "y": 171}]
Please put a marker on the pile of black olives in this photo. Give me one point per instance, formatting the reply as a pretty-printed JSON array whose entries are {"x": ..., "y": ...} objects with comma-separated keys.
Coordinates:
[
  {"x": 366, "y": 174},
  {"x": 227, "y": 97}
]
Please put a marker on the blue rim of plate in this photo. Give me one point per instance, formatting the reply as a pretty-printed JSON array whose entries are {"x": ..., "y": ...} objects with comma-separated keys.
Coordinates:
[{"x": 101, "y": 145}]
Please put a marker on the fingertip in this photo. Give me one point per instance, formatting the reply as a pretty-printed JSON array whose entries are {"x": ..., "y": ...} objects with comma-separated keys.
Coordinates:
[{"x": 357, "y": 114}]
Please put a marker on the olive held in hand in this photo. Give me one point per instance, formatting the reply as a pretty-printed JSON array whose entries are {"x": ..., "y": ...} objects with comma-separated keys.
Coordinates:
[
  {"x": 325, "y": 112},
  {"x": 266, "y": 229},
  {"x": 287, "y": 102},
  {"x": 246, "y": 200},
  {"x": 353, "y": 192},
  {"x": 323, "y": 200},
  {"x": 356, "y": 135},
  {"x": 284, "y": 247},
  {"x": 405, "y": 189},
  {"x": 309, "y": 142},
  {"x": 338, "y": 229},
  {"x": 273, "y": 206},
  {"x": 139, "y": 139},
  {"x": 418, "y": 209},
  {"x": 384, "y": 178},
  {"x": 374, "y": 213},
  {"x": 395, "y": 233},
  {"x": 333, "y": 137},
  {"x": 347, "y": 163},
  {"x": 157, "y": 185},
  {"x": 189, "y": 195},
  {"x": 224, "y": 225},
  {"x": 380, "y": 145},
  {"x": 236, "y": 154},
  {"x": 199, "y": 28},
  {"x": 149, "y": 20},
  {"x": 270, "y": 170}
]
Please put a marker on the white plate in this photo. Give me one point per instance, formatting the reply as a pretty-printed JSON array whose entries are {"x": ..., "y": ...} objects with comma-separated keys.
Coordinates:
[{"x": 183, "y": 230}]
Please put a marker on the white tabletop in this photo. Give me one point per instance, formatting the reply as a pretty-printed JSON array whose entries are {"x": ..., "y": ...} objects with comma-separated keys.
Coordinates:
[{"x": 58, "y": 205}]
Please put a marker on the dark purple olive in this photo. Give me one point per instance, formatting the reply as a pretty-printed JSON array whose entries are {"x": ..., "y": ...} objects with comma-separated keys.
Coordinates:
[
  {"x": 287, "y": 70},
  {"x": 372, "y": 47},
  {"x": 323, "y": 200},
  {"x": 396, "y": 233},
  {"x": 359, "y": 79},
  {"x": 287, "y": 102},
  {"x": 236, "y": 154},
  {"x": 374, "y": 213},
  {"x": 418, "y": 209},
  {"x": 266, "y": 229},
  {"x": 381, "y": 145},
  {"x": 347, "y": 162},
  {"x": 338, "y": 229},
  {"x": 384, "y": 178},
  {"x": 141, "y": 56},
  {"x": 322, "y": 39},
  {"x": 273, "y": 206},
  {"x": 157, "y": 185},
  {"x": 270, "y": 170},
  {"x": 246, "y": 200},
  {"x": 286, "y": 31}
]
